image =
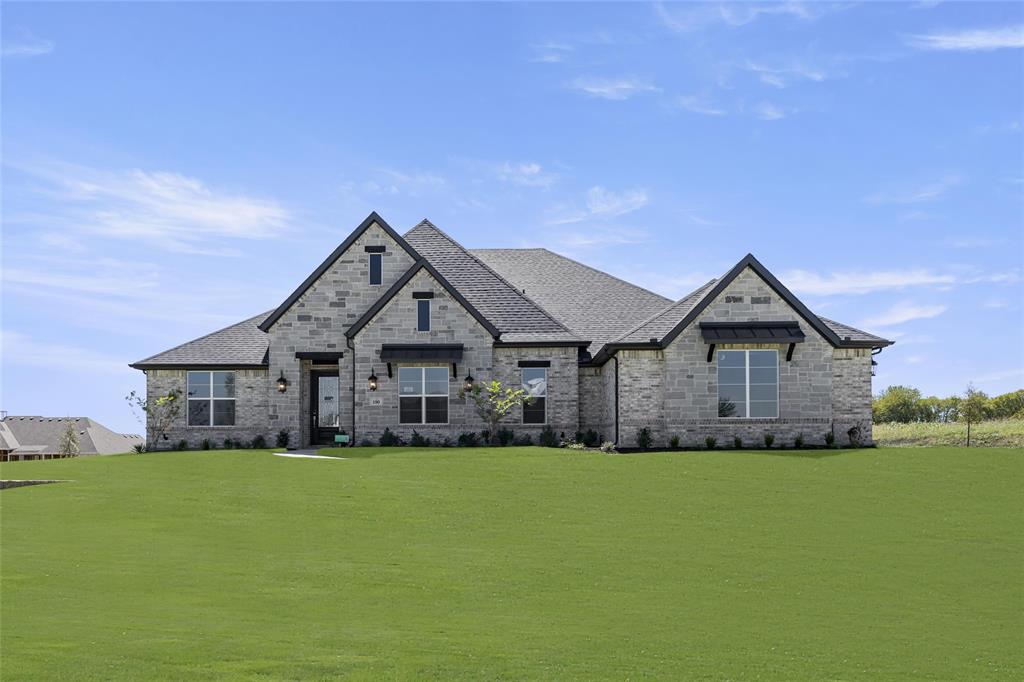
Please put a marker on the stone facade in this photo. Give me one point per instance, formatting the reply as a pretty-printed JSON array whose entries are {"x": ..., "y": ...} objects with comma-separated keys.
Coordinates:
[
  {"x": 252, "y": 388},
  {"x": 317, "y": 322}
]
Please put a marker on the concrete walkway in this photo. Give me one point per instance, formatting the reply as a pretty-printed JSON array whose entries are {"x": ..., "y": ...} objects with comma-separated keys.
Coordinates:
[{"x": 307, "y": 453}]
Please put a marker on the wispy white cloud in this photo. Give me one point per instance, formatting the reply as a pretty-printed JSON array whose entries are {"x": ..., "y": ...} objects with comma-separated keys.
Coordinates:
[
  {"x": 912, "y": 194},
  {"x": 862, "y": 282},
  {"x": 602, "y": 237},
  {"x": 971, "y": 40},
  {"x": 1007, "y": 127},
  {"x": 698, "y": 104},
  {"x": 170, "y": 210},
  {"x": 550, "y": 52},
  {"x": 904, "y": 312},
  {"x": 766, "y": 111},
  {"x": 528, "y": 174},
  {"x": 689, "y": 17},
  {"x": 782, "y": 76},
  {"x": 392, "y": 182},
  {"x": 602, "y": 204},
  {"x": 972, "y": 242},
  {"x": 26, "y": 44},
  {"x": 23, "y": 350},
  {"x": 612, "y": 88}
]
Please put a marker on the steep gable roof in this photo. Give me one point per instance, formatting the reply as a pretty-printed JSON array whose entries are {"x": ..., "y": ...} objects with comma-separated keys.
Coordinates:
[
  {"x": 329, "y": 261},
  {"x": 595, "y": 305},
  {"x": 518, "y": 318},
  {"x": 421, "y": 264},
  {"x": 243, "y": 344}
]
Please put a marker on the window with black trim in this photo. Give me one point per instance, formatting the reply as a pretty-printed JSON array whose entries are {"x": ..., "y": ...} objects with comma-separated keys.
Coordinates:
[
  {"x": 748, "y": 384},
  {"x": 535, "y": 383},
  {"x": 423, "y": 395},
  {"x": 211, "y": 398},
  {"x": 376, "y": 268},
  {"x": 423, "y": 315}
]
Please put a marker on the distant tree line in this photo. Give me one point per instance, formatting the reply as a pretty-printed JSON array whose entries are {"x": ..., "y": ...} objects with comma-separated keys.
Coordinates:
[{"x": 905, "y": 404}]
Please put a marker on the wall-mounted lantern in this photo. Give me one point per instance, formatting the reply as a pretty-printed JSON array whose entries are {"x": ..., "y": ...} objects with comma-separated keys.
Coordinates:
[
  {"x": 282, "y": 383},
  {"x": 372, "y": 381},
  {"x": 468, "y": 382}
]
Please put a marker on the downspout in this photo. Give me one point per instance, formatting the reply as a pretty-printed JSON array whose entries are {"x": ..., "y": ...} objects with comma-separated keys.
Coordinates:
[
  {"x": 616, "y": 358},
  {"x": 348, "y": 342}
]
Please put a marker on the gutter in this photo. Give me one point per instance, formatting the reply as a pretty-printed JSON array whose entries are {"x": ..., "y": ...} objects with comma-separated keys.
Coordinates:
[{"x": 348, "y": 342}]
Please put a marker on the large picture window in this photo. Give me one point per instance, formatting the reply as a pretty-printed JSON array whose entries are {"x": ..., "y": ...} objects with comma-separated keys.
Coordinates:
[
  {"x": 748, "y": 384},
  {"x": 211, "y": 398},
  {"x": 535, "y": 383},
  {"x": 423, "y": 395}
]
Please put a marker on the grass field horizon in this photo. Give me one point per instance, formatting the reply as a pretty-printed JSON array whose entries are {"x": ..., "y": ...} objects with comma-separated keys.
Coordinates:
[{"x": 516, "y": 563}]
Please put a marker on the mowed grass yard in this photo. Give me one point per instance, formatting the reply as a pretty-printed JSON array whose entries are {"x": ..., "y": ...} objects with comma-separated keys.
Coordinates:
[{"x": 516, "y": 563}]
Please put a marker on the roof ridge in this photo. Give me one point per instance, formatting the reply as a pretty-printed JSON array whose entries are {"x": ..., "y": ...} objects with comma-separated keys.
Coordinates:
[
  {"x": 206, "y": 336},
  {"x": 665, "y": 310},
  {"x": 584, "y": 265},
  {"x": 493, "y": 272}
]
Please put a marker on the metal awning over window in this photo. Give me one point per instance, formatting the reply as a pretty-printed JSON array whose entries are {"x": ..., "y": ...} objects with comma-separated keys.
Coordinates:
[
  {"x": 751, "y": 332},
  {"x": 403, "y": 352}
]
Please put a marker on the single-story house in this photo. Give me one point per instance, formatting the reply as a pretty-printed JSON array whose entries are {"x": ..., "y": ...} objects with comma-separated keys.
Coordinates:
[
  {"x": 389, "y": 327},
  {"x": 27, "y": 437}
]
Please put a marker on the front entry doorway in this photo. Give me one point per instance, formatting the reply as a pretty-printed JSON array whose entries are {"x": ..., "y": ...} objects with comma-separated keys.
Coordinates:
[{"x": 324, "y": 407}]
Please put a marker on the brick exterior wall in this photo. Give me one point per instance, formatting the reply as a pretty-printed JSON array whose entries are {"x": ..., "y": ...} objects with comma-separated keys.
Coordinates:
[
  {"x": 563, "y": 404},
  {"x": 252, "y": 387},
  {"x": 851, "y": 392},
  {"x": 597, "y": 406}
]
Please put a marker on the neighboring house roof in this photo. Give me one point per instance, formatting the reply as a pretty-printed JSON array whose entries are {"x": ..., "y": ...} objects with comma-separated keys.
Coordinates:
[
  {"x": 517, "y": 316},
  {"x": 242, "y": 344},
  {"x": 420, "y": 264},
  {"x": 594, "y": 304},
  {"x": 41, "y": 435},
  {"x": 335, "y": 255}
]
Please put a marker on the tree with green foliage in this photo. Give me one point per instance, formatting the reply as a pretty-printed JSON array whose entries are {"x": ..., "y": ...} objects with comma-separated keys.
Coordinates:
[
  {"x": 68, "y": 446},
  {"x": 1007, "y": 406},
  {"x": 973, "y": 409},
  {"x": 897, "y": 404},
  {"x": 493, "y": 401},
  {"x": 156, "y": 415}
]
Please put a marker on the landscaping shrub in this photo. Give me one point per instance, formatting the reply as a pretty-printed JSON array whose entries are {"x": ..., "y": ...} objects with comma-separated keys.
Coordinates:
[
  {"x": 447, "y": 442},
  {"x": 644, "y": 438},
  {"x": 259, "y": 442},
  {"x": 830, "y": 438},
  {"x": 591, "y": 438},
  {"x": 854, "y": 434},
  {"x": 468, "y": 439},
  {"x": 548, "y": 438},
  {"x": 574, "y": 445},
  {"x": 139, "y": 448},
  {"x": 525, "y": 439},
  {"x": 389, "y": 439},
  {"x": 710, "y": 442},
  {"x": 769, "y": 439},
  {"x": 737, "y": 442},
  {"x": 282, "y": 438},
  {"x": 182, "y": 445},
  {"x": 673, "y": 442},
  {"x": 205, "y": 444},
  {"x": 229, "y": 444},
  {"x": 608, "y": 446},
  {"x": 418, "y": 441},
  {"x": 798, "y": 442},
  {"x": 577, "y": 437},
  {"x": 366, "y": 443},
  {"x": 505, "y": 437}
]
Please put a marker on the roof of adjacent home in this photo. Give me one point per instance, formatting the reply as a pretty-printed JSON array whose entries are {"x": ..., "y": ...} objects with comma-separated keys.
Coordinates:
[
  {"x": 41, "y": 435},
  {"x": 522, "y": 296}
]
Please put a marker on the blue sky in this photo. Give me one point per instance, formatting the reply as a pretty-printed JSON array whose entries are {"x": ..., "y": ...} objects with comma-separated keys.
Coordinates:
[{"x": 169, "y": 169}]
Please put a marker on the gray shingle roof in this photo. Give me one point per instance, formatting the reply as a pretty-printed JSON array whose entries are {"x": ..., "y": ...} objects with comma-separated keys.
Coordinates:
[
  {"x": 241, "y": 344},
  {"x": 594, "y": 304},
  {"x": 517, "y": 317},
  {"x": 41, "y": 435},
  {"x": 661, "y": 323},
  {"x": 844, "y": 330}
]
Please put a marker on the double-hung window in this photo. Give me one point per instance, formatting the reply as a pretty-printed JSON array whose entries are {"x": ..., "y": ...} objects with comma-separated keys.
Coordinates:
[
  {"x": 423, "y": 395},
  {"x": 535, "y": 383},
  {"x": 211, "y": 398},
  {"x": 748, "y": 384}
]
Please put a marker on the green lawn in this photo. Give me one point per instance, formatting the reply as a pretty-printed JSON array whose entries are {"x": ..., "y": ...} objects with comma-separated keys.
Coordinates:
[{"x": 516, "y": 563}]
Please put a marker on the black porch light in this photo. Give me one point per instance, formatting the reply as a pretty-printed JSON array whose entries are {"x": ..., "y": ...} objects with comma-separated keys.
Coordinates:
[
  {"x": 282, "y": 383},
  {"x": 372, "y": 381},
  {"x": 467, "y": 383}
]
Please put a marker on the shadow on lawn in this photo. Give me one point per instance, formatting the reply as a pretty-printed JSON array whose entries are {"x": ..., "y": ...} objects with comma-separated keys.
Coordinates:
[{"x": 805, "y": 454}]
